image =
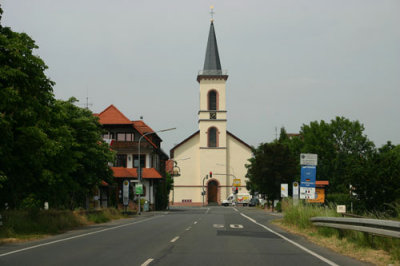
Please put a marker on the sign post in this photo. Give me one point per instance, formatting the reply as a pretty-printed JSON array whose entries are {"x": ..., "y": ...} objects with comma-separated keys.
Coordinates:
[
  {"x": 308, "y": 175},
  {"x": 295, "y": 193},
  {"x": 125, "y": 192}
]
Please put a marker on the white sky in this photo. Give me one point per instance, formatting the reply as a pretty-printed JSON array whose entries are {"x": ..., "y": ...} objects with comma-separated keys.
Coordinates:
[{"x": 290, "y": 62}]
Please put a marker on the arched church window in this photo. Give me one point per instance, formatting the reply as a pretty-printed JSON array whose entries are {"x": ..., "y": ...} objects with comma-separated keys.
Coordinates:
[
  {"x": 212, "y": 137},
  {"x": 212, "y": 100}
]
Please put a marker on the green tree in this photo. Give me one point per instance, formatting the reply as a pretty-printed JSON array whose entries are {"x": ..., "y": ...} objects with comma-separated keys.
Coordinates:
[
  {"x": 341, "y": 146},
  {"x": 271, "y": 165},
  {"x": 49, "y": 150},
  {"x": 376, "y": 182},
  {"x": 26, "y": 97}
]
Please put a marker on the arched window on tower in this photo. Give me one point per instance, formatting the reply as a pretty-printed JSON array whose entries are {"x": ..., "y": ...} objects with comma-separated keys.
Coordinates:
[
  {"x": 212, "y": 100},
  {"x": 212, "y": 137}
]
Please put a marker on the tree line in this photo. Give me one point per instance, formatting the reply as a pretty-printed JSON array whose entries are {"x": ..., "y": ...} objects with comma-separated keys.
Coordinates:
[
  {"x": 357, "y": 171},
  {"x": 50, "y": 150}
]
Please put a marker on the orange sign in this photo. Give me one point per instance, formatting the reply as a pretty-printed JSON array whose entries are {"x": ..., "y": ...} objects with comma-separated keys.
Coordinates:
[{"x": 319, "y": 197}]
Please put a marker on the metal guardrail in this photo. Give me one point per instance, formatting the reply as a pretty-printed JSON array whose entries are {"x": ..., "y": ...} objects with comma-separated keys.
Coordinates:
[{"x": 372, "y": 226}]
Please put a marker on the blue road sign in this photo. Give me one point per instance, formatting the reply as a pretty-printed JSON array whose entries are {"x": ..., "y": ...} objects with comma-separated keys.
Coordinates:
[{"x": 308, "y": 175}]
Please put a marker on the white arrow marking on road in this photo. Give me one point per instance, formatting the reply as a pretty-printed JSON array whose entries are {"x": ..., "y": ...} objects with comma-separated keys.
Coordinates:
[
  {"x": 292, "y": 242},
  {"x": 174, "y": 239},
  {"x": 147, "y": 262},
  {"x": 218, "y": 225},
  {"x": 236, "y": 226}
]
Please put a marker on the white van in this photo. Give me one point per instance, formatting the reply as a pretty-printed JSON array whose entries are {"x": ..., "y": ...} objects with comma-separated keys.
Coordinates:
[{"x": 234, "y": 199}]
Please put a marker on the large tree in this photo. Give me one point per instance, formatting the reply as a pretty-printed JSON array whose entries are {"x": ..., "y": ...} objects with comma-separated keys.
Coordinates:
[
  {"x": 26, "y": 97},
  {"x": 340, "y": 145},
  {"x": 49, "y": 150},
  {"x": 271, "y": 165}
]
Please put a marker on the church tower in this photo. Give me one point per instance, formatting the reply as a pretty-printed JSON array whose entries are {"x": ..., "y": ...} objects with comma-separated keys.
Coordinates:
[
  {"x": 211, "y": 148},
  {"x": 212, "y": 114}
]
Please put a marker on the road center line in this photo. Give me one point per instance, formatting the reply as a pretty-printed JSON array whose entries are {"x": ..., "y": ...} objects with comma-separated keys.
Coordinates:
[
  {"x": 187, "y": 229},
  {"x": 235, "y": 209},
  {"x": 208, "y": 209},
  {"x": 147, "y": 262},
  {"x": 174, "y": 239},
  {"x": 291, "y": 241},
  {"x": 78, "y": 236},
  {"x": 195, "y": 222}
]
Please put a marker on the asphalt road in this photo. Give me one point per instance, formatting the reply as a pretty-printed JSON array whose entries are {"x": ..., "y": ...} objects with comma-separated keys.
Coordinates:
[{"x": 181, "y": 236}]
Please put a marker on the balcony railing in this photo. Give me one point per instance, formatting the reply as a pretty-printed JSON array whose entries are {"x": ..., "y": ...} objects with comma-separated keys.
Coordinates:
[{"x": 213, "y": 72}]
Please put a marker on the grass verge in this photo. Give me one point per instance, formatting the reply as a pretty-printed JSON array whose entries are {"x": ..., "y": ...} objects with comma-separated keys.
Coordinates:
[
  {"x": 362, "y": 246},
  {"x": 20, "y": 225}
]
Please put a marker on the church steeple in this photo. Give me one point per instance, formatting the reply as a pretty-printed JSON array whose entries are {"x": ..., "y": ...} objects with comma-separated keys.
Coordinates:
[{"x": 212, "y": 63}]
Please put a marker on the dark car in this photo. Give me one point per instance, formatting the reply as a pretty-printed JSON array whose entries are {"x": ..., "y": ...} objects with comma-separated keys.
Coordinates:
[{"x": 254, "y": 202}]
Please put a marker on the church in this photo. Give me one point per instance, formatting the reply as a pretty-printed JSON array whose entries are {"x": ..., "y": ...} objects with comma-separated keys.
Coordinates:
[{"x": 212, "y": 159}]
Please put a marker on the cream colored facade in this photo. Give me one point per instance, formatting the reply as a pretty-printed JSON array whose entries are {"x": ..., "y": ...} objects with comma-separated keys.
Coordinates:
[
  {"x": 212, "y": 149},
  {"x": 196, "y": 159}
]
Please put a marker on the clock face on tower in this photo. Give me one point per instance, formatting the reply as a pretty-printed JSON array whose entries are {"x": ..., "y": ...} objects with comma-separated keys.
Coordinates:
[{"x": 213, "y": 115}]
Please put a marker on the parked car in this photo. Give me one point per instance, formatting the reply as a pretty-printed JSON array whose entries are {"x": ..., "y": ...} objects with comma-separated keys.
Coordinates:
[{"x": 254, "y": 202}]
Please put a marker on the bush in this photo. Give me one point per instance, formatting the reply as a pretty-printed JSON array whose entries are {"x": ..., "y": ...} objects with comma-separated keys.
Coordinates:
[{"x": 22, "y": 223}]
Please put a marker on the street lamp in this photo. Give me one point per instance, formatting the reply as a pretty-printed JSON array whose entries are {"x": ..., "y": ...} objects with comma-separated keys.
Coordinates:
[{"x": 139, "y": 168}]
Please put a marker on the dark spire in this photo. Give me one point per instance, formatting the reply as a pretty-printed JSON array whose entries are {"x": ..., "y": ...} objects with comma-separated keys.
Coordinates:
[
  {"x": 212, "y": 57},
  {"x": 212, "y": 64}
]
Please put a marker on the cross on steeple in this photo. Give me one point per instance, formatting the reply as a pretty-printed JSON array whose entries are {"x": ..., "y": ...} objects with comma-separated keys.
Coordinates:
[{"x": 212, "y": 13}]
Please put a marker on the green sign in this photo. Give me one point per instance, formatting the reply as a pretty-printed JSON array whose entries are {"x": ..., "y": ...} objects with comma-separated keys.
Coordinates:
[{"x": 139, "y": 189}]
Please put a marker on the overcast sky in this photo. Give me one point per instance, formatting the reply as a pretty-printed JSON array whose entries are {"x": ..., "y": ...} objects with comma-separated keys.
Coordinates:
[{"x": 289, "y": 62}]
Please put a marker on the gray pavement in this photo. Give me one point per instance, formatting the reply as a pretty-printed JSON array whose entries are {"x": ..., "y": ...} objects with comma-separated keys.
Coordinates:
[{"x": 180, "y": 236}]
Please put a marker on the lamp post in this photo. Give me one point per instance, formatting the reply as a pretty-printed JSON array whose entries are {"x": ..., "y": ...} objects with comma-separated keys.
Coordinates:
[{"x": 139, "y": 167}]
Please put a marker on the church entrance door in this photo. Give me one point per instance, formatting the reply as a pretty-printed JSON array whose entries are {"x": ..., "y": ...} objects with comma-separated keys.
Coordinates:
[{"x": 212, "y": 191}]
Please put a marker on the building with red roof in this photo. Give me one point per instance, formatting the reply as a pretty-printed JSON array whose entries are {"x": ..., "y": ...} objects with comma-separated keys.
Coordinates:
[{"x": 123, "y": 136}]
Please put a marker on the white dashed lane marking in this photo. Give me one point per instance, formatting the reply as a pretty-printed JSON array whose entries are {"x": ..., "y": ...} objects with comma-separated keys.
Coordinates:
[
  {"x": 174, "y": 239},
  {"x": 218, "y": 226},
  {"x": 236, "y": 226},
  {"x": 147, "y": 262}
]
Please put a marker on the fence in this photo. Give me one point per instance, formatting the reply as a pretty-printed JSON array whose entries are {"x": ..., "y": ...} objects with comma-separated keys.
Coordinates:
[{"x": 372, "y": 226}]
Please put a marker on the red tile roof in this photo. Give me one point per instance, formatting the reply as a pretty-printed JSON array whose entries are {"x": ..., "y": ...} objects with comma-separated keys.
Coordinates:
[
  {"x": 142, "y": 126},
  {"x": 112, "y": 116},
  {"x": 147, "y": 173}
]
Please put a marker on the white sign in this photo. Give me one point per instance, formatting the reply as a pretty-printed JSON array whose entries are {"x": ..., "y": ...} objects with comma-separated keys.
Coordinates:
[
  {"x": 307, "y": 193},
  {"x": 295, "y": 190},
  {"x": 308, "y": 159},
  {"x": 284, "y": 190},
  {"x": 341, "y": 209}
]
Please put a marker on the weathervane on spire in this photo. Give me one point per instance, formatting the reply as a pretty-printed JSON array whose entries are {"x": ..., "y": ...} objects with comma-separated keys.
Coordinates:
[{"x": 212, "y": 13}]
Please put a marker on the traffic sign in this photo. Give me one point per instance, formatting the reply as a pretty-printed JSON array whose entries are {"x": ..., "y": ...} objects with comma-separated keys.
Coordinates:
[
  {"x": 308, "y": 159},
  {"x": 308, "y": 176},
  {"x": 307, "y": 192},
  {"x": 139, "y": 188},
  {"x": 295, "y": 190},
  {"x": 236, "y": 182},
  {"x": 284, "y": 190}
]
